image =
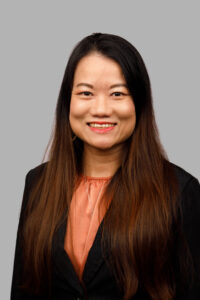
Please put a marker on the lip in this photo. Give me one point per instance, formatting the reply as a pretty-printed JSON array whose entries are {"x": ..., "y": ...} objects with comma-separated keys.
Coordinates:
[
  {"x": 102, "y": 130},
  {"x": 103, "y": 122}
]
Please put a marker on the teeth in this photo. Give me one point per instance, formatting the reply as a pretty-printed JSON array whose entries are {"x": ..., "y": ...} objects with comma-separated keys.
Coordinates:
[{"x": 100, "y": 125}]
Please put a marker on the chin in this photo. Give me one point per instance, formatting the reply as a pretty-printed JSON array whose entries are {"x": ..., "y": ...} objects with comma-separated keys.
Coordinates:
[{"x": 102, "y": 146}]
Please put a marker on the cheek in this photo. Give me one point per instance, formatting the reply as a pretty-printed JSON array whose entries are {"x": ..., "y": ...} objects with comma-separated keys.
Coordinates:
[
  {"x": 128, "y": 117},
  {"x": 127, "y": 111},
  {"x": 77, "y": 109}
]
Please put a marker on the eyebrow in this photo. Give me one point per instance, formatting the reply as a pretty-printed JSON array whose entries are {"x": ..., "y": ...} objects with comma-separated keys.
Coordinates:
[{"x": 111, "y": 87}]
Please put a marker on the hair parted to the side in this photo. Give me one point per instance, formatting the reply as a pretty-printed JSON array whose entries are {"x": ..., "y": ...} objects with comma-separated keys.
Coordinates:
[{"x": 137, "y": 228}]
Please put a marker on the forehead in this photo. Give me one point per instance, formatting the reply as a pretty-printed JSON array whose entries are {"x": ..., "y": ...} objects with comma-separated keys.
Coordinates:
[{"x": 97, "y": 68}]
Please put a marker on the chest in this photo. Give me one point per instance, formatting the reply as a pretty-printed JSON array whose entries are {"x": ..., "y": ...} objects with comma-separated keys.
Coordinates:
[{"x": 97, "y": 278}]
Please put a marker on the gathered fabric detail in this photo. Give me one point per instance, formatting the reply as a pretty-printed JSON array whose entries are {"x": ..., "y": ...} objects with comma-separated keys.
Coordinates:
[{"x": 84, "y": 219}]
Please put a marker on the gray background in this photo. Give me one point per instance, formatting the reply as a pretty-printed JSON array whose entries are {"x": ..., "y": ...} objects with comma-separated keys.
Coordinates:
[{"x": 36, "y": 40}]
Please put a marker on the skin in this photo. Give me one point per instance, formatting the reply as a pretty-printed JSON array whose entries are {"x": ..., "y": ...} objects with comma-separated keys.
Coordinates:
[{"x": 102, "y": 151}]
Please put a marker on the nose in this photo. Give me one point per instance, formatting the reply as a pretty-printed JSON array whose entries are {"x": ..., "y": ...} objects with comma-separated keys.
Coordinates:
[{"x": 101, "y": 107}]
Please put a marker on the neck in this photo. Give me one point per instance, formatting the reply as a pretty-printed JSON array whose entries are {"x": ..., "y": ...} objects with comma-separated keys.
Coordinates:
[{"x": 101, "y": 163}]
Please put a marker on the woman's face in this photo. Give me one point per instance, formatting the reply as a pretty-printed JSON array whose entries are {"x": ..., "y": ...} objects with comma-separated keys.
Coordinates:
[{"x": 102, "y": 112}]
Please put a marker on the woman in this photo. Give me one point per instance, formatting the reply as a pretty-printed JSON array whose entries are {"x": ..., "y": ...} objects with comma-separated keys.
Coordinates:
[{"x": 108, "y": 216}]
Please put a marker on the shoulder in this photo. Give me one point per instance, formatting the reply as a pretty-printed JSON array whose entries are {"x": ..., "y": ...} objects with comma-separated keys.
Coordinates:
[
  {"x": 188, "y": 242},
  {"x": 31, "y": 177},
  {"x": 190, "y": 208},
  {"x": 186, "y": 180},
  {"x": 189, "y": 188},
  {"x": 188, "y": 200},
  {"x": 35, "y": 172},
  {"x": 37, "y": 169}
]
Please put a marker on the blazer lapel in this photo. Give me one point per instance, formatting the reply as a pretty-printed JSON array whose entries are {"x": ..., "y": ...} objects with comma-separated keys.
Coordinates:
[
  {"x": 95, "y": 258},
  {"x": 63, "y": 265}
]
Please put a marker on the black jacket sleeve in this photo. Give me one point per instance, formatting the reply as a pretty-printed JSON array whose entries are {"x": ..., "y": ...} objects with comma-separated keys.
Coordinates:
[
  {"x": 16, "y": 292},
  {"x": 17, "y": 268},
  {"x": 191, "y": 230}
]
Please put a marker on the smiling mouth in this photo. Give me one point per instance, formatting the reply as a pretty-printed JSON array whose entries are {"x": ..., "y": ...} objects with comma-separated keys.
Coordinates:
[{"x": 103, "y": 125}]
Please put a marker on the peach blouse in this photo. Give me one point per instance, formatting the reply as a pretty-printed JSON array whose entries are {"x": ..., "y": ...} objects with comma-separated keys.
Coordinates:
[{"x": 84, "y": 220}]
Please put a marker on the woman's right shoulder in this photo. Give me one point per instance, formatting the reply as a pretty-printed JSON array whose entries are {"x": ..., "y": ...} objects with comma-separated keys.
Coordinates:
[{"x": 36, "y": 171}]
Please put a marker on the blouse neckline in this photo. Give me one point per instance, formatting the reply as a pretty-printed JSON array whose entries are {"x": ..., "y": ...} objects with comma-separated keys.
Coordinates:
[{"x": 92, "y": 178}]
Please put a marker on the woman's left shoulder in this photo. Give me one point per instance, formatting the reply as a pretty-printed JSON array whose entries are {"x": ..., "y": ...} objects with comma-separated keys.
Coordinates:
[
  {"x": 189, "y": 202},
  {"x": 187, "y": 182}
]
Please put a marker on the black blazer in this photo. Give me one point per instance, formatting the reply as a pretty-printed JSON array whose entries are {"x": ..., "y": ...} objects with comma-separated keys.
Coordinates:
[{"x": 97, "y": 277}]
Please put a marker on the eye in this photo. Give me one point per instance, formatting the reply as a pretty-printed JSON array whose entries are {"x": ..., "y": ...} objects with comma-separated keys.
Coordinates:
[
  {"x": 86, "y": 93},
  {"x": 118, "y": 94}
]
